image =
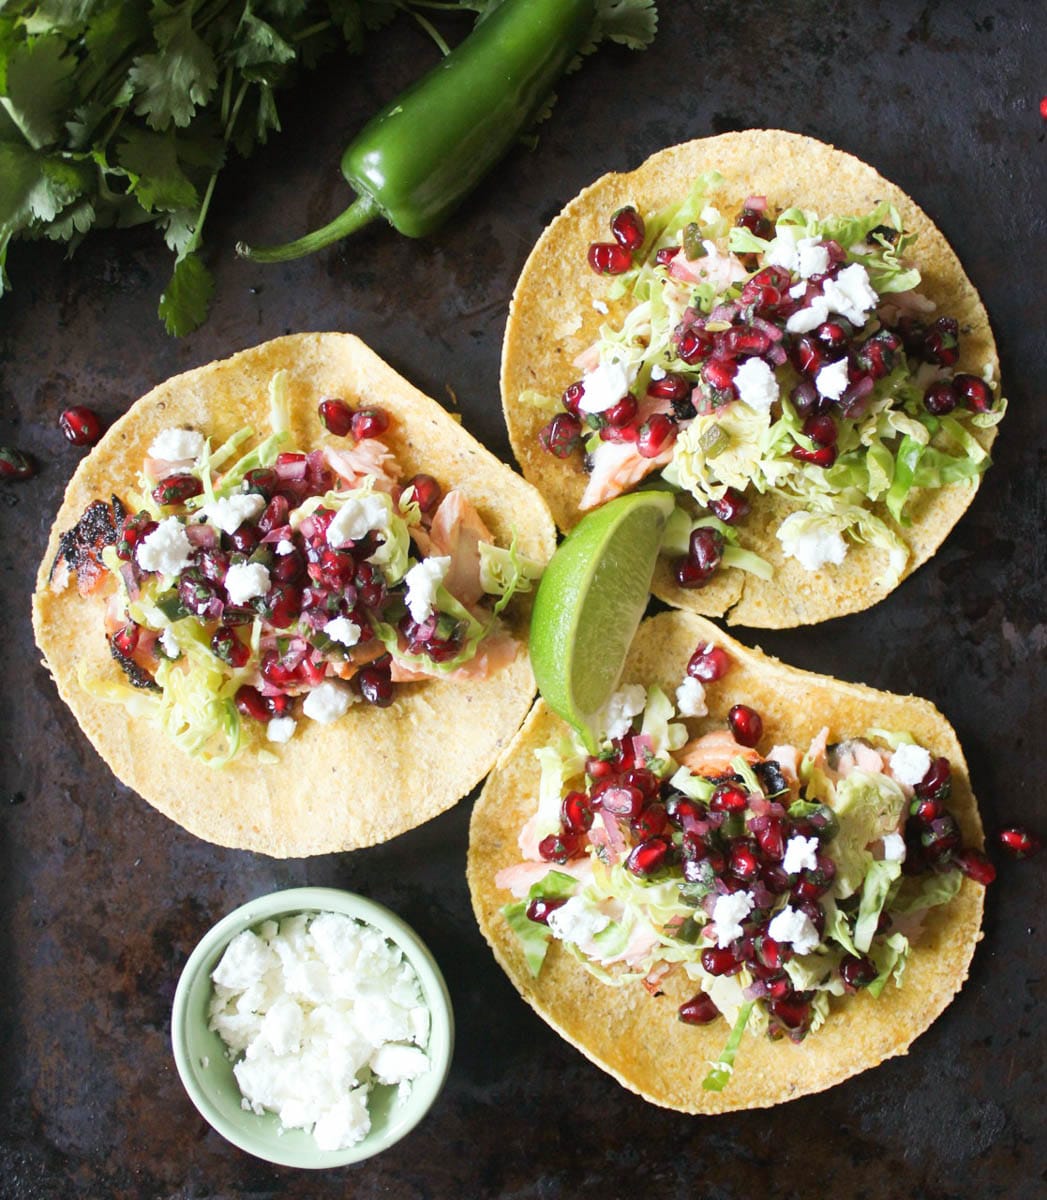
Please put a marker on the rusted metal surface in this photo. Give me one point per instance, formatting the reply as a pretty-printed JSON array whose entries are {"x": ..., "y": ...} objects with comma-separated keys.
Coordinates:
[{"x": 103, "y": 898}]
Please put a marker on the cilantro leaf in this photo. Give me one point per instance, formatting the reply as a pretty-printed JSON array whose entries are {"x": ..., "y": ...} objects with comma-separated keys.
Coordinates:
[
  {"x": 40, "y": 88},
  {"x": 151, "y": 160},
  {"x": 186, "y": 299},
  {"x": 172, "y": 83}
]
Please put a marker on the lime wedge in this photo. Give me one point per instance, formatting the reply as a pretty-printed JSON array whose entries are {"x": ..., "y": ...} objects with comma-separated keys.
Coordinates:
[{"x": 589, "y": 603}]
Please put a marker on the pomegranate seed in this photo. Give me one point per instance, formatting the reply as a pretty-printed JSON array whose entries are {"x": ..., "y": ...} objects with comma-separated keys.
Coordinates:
[
  {"x": 622, "y": 412},
  {"x": 941, "y": 837},
  {"x": 742, "y": 862},
  {"x": 609, "y": 258},
  {"x": 746, "y": 724},
  {"x": 937, "y": 783},
  {"x": 245, "y": 539},
  {"x": 820, "y": 428},
  {"x": 283, "y": 605},
  {"x": 665, "y": 255},
  {"x": 1019, "y": 842},
  {"x": 682, "y": 810},
  {"x": 651, "y": 823},
  {"x": 771, "y": 839},
  {"x": 576, "y": 813},
  {"x": 824, "y": 456},
  {"x": 940, "y": 398},
  {"x": 598, "y": 768},
  {"x": 135, "y": 529},
  {"x": 808, "y": 355},
  {"x": 709, "y": 663},
  {"x": 427, "y": 492},
  {"x": 562, "y": 436},
  {"x": 275, "y": 515},
  {"x": 719, "y": 960},
  {"x": 251, "y": 703},
  {"x": 648, "y": 783},
  {"x": 670, "y": 387},
  {"x": 126, "y": 640},
  {"x": 926, "y": 811},
  {"x": 699, "y": 1010},
  {"x": 559, "y": 847},
  {"x": 620, "y": 800},
  {"x": 878, "y": 355},
  {"x": 648, "y": 857},
  {"x": 541, "y": 906},
  {"x": 689, "y": 575},
  {"x": 337, "y": 416},
  {"x": 694, "y": 345},
  {"x": 728, "y": 798},
  {"x": 286, "y": 457},
  {"x": 375, "y": 685},
  {"x": 974, "y": 392},
  {"x": 572, "y": 398},
  {"x": 719, "y": 373},
  {"x": 616, "y": 433},
  {"x": 791, "y": 1011},
  {"x": 731, "y": 507},
  {"x": 775, "y": 879},
  {"x": 1043, "y": 107},
  {"x": 778, "y": 989},
  {"x": 228, "y": 647},
  {"x": 80, "y": 425},
  {"x": 628, "y": 228},
  {"x": 756, "y": 222},
  {"x": 311, "y": 672},
  {"x": 263, "y": 481},
  {"x": 213, "y": 564},
  {"x": 14, "y": 464},
  {"x": 705, "y": 548},
  {"x": 941, "y": 343},
  {"x": 656, "y": 434},
  {"x": 198, "y": 594},
  {"x": 975, "y": 866},
  {"x": 771, "y": 954},
  {"x": 805, "y": 398},
  {"x": 835, "y": 335},
  {"x": 177, "y": 490},
  {"x": 369, "y": 423}
]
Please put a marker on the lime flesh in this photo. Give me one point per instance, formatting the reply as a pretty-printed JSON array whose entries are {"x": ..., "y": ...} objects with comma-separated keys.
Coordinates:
[{"x": 590, "y": 601}]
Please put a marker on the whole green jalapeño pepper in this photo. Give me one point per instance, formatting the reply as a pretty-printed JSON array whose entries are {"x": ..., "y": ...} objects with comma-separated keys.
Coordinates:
[{"x": 422, "y": 154}]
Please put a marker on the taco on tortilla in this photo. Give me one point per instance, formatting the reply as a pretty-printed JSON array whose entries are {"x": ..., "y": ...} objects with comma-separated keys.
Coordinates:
[
  {"x": 277, "y": 587},
  {"x": 765, "y": 882},
  {"x": 766, "y": 325}
]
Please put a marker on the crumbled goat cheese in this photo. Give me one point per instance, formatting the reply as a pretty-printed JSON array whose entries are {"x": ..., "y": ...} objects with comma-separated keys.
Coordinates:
[
  {"x": 604, "y": 387},
  {"x": 622, "y": 707},
  {"x": 851, "y": 294},
  {"x": 170, "y": 643},
  {"x": 327, "y": 702},
  {"x": 284, "y": 547},
  {"x": 690, "y": 698},
  {"x": 312, "y": 1008},
  {"x": 801, "y": 854},
  {"x": 909, "y": 764},
  {"x": 244, "y": 581},
  {"x": 812, "y": 547},
  {"x": 728, "y": 913},
  {"x": 423, "y": 580},
  {"x": 658, "y": 371},
  {"x": 806, "y": 319},
  {"x": 601, "y": 307},
  {"x": 341, "y": 629},
  {"x": 578, "y": 920},
  {"x": 812, "y": 258},
  {"x": 792, "y": 925},
  {"x": 167, "y": 549},
  {"x": 756, "y": 384},
  {"x": 281, "y": 729},
  {"x": 831, "y": 380},
  {"x": 709, "y": 215},
  {"x": 893, "y": 847},
  {"x": 357, "y": 517},
  {"x": 230, "y": 512},
  {"x": 177, "y": 445}
]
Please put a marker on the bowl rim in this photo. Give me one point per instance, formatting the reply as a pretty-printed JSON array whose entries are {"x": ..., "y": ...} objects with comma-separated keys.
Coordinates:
[{"x": 290, "y": 902}]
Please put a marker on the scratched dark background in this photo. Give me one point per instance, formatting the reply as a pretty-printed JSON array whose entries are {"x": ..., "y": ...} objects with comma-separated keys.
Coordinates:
[{"x": 103, "y": 899}]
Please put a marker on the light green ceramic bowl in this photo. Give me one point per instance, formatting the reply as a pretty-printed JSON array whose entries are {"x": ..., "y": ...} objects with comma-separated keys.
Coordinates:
[{"x": 207, "y": 1071}]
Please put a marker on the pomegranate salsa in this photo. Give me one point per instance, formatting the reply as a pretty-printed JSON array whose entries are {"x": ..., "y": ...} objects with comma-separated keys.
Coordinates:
[
  {"x": 771, "y": 353},
  {"x": 254, "y": 584},
  {"x": 761, "y": 884}
]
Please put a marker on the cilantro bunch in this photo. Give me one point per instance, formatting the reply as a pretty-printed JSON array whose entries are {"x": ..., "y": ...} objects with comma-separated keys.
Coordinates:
[{"x": 115, "y": 113}]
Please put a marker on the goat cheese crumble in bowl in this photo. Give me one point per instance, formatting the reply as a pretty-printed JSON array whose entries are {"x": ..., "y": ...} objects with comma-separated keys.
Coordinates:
[{"x": 312, "y": 1028}]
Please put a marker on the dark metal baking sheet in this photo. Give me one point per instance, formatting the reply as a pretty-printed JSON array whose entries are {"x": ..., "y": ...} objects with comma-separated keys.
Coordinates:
[{"x": 103, "y": 899}]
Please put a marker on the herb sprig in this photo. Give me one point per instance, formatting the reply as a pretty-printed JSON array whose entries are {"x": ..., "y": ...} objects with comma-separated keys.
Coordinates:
[{"x": 117, "y": 113}]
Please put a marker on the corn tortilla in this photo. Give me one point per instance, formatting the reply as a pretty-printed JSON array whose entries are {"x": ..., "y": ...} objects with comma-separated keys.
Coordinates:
[
  {"x": 376, "y": 772},
  {"x": 637, "y": 1038},
  {"x": 553, "y": 318}
]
